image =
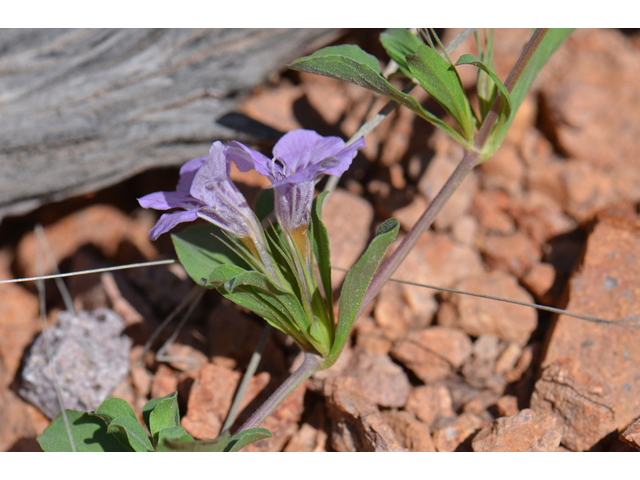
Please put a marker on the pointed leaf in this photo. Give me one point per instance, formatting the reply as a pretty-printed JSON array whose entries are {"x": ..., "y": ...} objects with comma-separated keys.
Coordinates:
[
  {"x": 550, "y": 43},
  {"x": 351, "y": 64},
  {"x": 357, "y": 282},
  {"x": 181, "y": 445},
  {"x": 400, "y": 42},
  {"x": 165, "y": 414},
  {"x": 247, "y": 437},
  {"x": 89, "y": 434},
  {"x": 322, "y": 250},
  {"x": 199, "y": 251},
  {"x": 468, "y": 59},
  {"x": 440, "y": 79},
  {"x": 134, "y": 432}
]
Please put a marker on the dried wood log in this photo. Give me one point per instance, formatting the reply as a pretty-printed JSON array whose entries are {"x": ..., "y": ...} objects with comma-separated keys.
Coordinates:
[{"x": 84, "y": 109}]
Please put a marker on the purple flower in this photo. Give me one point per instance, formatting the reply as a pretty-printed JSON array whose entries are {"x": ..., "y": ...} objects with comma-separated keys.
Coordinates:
[
  {"x": 300, "y": 157},
  {"x": 206, "y": 191}
]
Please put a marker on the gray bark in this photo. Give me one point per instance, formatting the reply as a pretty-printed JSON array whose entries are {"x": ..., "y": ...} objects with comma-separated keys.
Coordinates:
[{"x": 84, "y": 109}]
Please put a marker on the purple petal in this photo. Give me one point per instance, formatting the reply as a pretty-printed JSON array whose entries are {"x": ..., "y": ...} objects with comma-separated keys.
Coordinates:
[
  {"x": 341, "y": 161},
  {"x": 299, "y": 149},
  {"x": 293, "y": 204},
  {"x": 247, "y": 159},
  {"x": 169, "y": 220},
  {"x": 187, "y": 172},
  {"x": 168, "y": 200}
]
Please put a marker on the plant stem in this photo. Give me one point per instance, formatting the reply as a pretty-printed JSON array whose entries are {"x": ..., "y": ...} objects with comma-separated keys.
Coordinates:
[
  {"x": 311, "y": 364},
  {"x": 462, "y": 170}
]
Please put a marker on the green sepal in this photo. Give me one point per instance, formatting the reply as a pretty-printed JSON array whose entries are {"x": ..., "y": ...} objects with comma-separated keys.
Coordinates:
[
  {"x": 352, "y": 64},
  {"x": 356, "y": 284},
  {"x": 247, "y": 437},
  {"x": 89, "y": 434},
  {"x": 441, "y": 80},
  {"x": 322, "y": 250},
  {"x": 130, "y": 429},
  {"x": 320, "y": 335},
  {"x": 400, "y": 42}
]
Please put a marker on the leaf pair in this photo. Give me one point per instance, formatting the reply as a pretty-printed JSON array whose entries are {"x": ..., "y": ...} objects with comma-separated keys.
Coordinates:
[{"x": 114, "y": 427}]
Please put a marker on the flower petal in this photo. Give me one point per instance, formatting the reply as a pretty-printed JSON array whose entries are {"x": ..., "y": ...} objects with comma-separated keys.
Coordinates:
[
  {"x": 169, "y": 220},
  {"x": 187, "y": 172},
  {"x": 299, "y": 149},
  {"x": 247, "y": 159},
  {"x": 340, "y": 162},
  {"x": 168, "y": 200}
]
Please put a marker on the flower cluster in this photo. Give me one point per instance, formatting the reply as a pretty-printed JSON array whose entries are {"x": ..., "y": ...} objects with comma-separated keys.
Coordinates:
[
  {"x": 205, "y": 189},
  {"x": 279, "y": 284}
]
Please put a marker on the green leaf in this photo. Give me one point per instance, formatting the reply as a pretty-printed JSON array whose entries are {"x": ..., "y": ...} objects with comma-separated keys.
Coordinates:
[
  {"x": 113, "y": 408},
  {"x": 166, "y": 414},
  {"x": 352, "y": 64},
  {"x": 199, "y": 251},
  {"x": 440, "y": 79},
  {"x": 468, "y": 59},
  {"x": 182, "y": 445},
  {"x": 322, "y": 250},
  {"x": 134, "y": 432},
  {"x": 89, "y": 434},
  {"x": 357, "y": 282},
  {"x": 550, "y": 43},
  {"x": 247, "y": 437},
  {"x": 400, "y": 42},
  {"x": 175, "y": 434}
]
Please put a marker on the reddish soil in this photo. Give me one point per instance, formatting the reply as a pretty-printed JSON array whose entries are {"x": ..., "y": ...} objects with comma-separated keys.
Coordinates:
[{"x": 553, "y": 218}]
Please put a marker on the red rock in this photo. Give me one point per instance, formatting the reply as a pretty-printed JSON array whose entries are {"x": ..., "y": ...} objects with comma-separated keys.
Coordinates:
[
  {"x": 383, "y": 382},
  {"x": 448, "y": 438},
  {"x": 210, "y": 399},
  {"x": 165, "y": 381},
  {"x": 586, "y": 106},
  {"x": 477, "y": 316},
  {"x": 409, "y": 214},
  {"x": 438, "y": 171},
  {"x": 631, "y": 434},
  {"x": 540, "y": 216},
  {"x": 307, "y": 439},
  {"x": 356, "y": 423},
  {"x": 507, "y": 406},
  {"x": 412, "y": 433},
  {"x": 525, "y": 431},
  {"x": 185, "y": 358},
  {"x": 435, "y": 260},
  {"x": 433, "y": 353},
  {"x": 464, "y": 230},
  {"x": 508, "y": 358},
  {"x": 282, "y": 423},
  {"x": 371, "y": 337},
  {"x": 539, "y": 279},
  {"x": 274, "y": 106},
  {"x": 514, "y": 253},
  {"x": 488, "y": 207},
  {"x": 607, "y": 286},
  {"x": 503, "y": 171},
  {"x": 348, "y": 220},
  {"x": 102, "y": 226},
  {"x": 582, "y": 401},
  {"x": 481, "y": 365},
  {"x": 430, "y": 403}
]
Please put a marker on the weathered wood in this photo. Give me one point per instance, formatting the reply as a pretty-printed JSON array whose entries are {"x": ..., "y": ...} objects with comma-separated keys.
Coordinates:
[{"x": 84, "y": 109}]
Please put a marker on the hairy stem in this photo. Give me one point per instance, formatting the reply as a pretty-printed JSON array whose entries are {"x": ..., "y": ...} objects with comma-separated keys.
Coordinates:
[
  {"x": 312, "y": 363},
  {"x": 462, "y": 170}
]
